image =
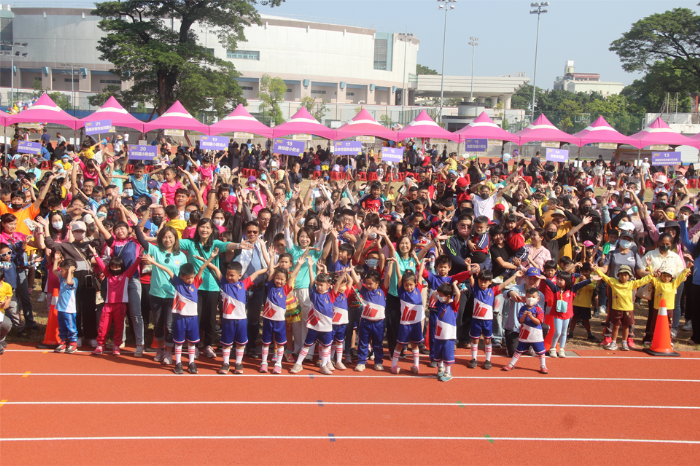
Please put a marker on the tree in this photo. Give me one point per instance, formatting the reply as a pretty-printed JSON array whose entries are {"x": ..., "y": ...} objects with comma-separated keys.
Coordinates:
[
  {"x": 385, "y": 120},
  {"x": 663, "y": 78},
  {"x": 167, "y": 64},
  {"x": 673, "y": 35},
  {"x": 111, "y": 90},
  {"x": 420, "y": 69},
  {"x": 62, "y": 100},
  {"x": 271, "y": 93},
  {"x": 321, "y": 108}
]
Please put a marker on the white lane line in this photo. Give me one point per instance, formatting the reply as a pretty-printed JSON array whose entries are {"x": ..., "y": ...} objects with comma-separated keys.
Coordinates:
[
  {"x": 352, "y": 437},
  {"x": 317, "y": 376},
  {"x": 343, "y": 403}
]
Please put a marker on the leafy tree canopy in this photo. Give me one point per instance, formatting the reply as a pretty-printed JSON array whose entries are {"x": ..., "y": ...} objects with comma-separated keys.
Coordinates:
[
  {"x": 167, "y": 64},
  {"x": 421, "y": 69}
]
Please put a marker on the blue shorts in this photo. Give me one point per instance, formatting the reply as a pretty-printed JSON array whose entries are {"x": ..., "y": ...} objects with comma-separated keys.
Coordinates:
[
  {"x": 444, "y": 351},
  {"x": 185, "y": 328},
  {"x": 274, "y": 328},
  {"x": 323, "y": 338},
  {"x": 338, "y": 333},
  {"x": 481, "y": 327},
  {"x": 234, "y": 331},
  {"x": 411, "y": 333},
  {"x": 538, "y": 346}
]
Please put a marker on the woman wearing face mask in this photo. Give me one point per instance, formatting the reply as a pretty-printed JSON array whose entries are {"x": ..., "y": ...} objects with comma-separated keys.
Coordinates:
[
  {"x": 218, "y": 218},
  {"x": 58, "y": 231},
  {"x": 665, "y": 256},
  {"x": 77, "y": 249}
]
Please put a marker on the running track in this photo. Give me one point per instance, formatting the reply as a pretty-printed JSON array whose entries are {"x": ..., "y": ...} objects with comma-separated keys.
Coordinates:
[{"x": 601, "y": 408}]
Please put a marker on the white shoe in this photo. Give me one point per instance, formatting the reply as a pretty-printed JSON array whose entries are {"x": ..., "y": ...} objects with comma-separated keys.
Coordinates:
[
  {"x": 562, "y": 353},
  {"x": 93, "y": 343},
  {"x": 602, "y": 311},
  {"x": 209, "y": 352},
  {"x": 80, "y": 342},
  {"x": 167, "y": 358},
  {"x": 42, "y": 298},
  {"x": 688, "y": 327},
  {"x": 159, "y": 355},
  {"x": 552, "y": 352}
]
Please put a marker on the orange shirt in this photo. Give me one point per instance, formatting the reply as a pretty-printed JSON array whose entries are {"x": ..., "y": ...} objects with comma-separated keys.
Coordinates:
[{"x": 28, "y": 212}]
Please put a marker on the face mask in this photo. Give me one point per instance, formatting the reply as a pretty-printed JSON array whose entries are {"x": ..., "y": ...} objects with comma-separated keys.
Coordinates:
[
  {"x": 671, "y": 215},
  {"x": 57, "y": 225},
  {"x": 443, "y": 299},
  {"x": 253, "y": 186},
  {"x": 187, "y": 215},
  {"x": 79, "y": 235},
  {"x": 129, "y": 192},
  {"x": 624, "y": 244},
  {"x": 585, "y": 209},
  {"x": 17, "y": 206},
  {"x": 156, "y": 220},
  {"x": 371, "y": 263},
  {"x": 116, "y": 272},
  {"x": 218, "y": 222},
  {"x": 664, "y": 248},
  {"x": 532, "y": 301},
  {"x": 101, "y": 215},
  {"x": 551, "y": 234},
  {"x": 635, "y": 209}
]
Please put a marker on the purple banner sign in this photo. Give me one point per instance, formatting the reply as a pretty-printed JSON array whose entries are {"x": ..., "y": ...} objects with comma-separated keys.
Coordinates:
[
  {"x": 665, "y": 158},
  {"x": 289, "y": 147},
  {"x": 476, "y": 145},
  {"x": 143, "y": 152},
  {"x": 347, "y": 148},
  {"x": 557, "y": 155},
  {"x": 213, "y": 142},
  {"x": 97, "y": 127},
  {"x": 26, "y": 147},
  {"x": 390, "y": 154}
]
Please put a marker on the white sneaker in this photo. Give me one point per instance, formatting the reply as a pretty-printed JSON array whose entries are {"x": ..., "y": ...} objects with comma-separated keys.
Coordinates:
[
  {"x": 42, "y": 298},
  {"x": 562, "y": 353},
  {"x": 688, "y": 327},
  {"x": 160, "y": 353},
  {"x": 167, "y": 358},
  {"x": 80, "y": 342},
  {"x": 93, "y": 343},
  {"x": 209, "y": 352},
  {"x": 612, "y": 346},
  {"x": 602, "y": 311},
  {"x": 552, "y": 352},
  {"x": 139, "y": 351}
]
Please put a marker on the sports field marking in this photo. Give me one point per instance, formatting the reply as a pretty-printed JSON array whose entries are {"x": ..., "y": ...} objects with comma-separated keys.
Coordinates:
[
  {"x": 351, "y": 437},
  {"x": 320, "y": 403},
  {"x": 330, "y": 377}
]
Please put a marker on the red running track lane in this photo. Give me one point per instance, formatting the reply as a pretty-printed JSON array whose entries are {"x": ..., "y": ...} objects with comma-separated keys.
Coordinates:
[{"x": 374, "y": 422}]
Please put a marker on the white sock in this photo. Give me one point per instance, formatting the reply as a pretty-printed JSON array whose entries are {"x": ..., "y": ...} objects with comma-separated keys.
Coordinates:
[
  {"x": 265, "y": 352},
  {"x": 475, "y": 350},
  {"x": 448, "y": 369},
  {"x": 325, "y": 356},
  {"x": 280, "y": 355},
  {"x": 542, "y": 363},
  {"x": 416, "y": 357},
  {"x": 178, "y": 354},
  {"x": 239, "y": 355},
  {"x": 395, "y": 358},
  {"x": 339, "y": 352},
  {"x": 516, "y": 356},
  {"x": 442, "y": 365},
  {"x": 190, "y": 352},
  {"x": 227, "y": 354},
  {"x": 302, "y": 354},
  {"x": 488, "y": 350}
]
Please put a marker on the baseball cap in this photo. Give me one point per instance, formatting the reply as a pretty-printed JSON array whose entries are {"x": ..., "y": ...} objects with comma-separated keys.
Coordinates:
[
  {"x": 624, "y": 269},
  {"x": 462, "y": 183},
  {"x": 665, "y": 269},
  {"x": 499, "y": 207},
  {"x": 78, "y": 226},
  {"x": 532, "y": 272},
  {"x": 662, "y": 179},
  {"x": 452, "y": 172},
  {"x": 558, "y": 212},
  {"x": 588, "y": 244},
  {"x": 629, "y": 226},
  {"x": 589, "y": 188},
  {"x": 626, "y": 233},
  {"x": 344, "y": 202}
]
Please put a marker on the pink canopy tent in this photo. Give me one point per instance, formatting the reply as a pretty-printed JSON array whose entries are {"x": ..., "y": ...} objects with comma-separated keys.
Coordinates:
[
  {"x": 364, "y": 125},
  {"x": 660, "y": 133},
  {"x": 542, "y": 130},
  {"x": 240, "y": 120},
  {"x": 483, "y": 127},
  {"x": 601, "y": 131},
  {"x": 176, "y": 117},
  {"x": 303, "y": 123},
  {"x": 424, "y": 127},
  {"x": 112, "y": 110},
  {"x": 44, "y": 110}
]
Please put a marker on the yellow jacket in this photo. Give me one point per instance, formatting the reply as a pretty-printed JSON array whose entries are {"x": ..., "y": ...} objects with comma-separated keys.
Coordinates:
[{"x": 622, "y": 297}]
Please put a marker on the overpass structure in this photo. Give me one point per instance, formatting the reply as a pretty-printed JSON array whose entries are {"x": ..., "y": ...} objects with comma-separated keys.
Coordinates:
[{"x": 493, "y": 87}]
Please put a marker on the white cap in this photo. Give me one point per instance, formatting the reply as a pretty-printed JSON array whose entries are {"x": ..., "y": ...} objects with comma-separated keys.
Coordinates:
[
  {"x": 629, "y": 226},
  {"x": 662, "y": 179}
]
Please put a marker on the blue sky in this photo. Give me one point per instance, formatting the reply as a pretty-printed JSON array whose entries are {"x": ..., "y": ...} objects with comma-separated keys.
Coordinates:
[{"x": 579, "y": 30}]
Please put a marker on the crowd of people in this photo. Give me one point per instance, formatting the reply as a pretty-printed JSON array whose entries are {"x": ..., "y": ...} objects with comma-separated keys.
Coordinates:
[{"x": 511, "y": 252}]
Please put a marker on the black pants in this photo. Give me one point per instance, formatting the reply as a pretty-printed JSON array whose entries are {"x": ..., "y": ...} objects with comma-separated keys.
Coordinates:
[
  {"x": 207, "y": 306},
  {"x": 163, "y": 317},
  {"x": 464, "y": 316},
  {"x": 145, "y": 306},
  {"x": 255, "y": 299},
  {"x": 392, "y": 321},
  {"x": 86, "y": 312},
  {"x": 24, "y": 299},
  {"x": 693, "y": 311},
  {"x": 354, "y": 314}
]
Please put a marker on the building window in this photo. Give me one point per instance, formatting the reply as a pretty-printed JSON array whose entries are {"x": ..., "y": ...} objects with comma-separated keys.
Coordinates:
[
  {"x": 383, "y": 47},
  {"x": 211, "y": 51},
  {"x": 289, "y": 90},
  {"x": 243, "y": 54},
  {"x": 67, "y": 80},
  {"x": 247, "y": 88},
  {"x": 350, "y": 94},
  {"x": 318, "y": 92},
  {"x": 110, "y": 81}
]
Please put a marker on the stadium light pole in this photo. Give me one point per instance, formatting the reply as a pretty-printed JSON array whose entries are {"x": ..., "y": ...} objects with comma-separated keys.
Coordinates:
[
  {"x": 474, "y": 42},
  {"x": 446, "y": 5},
  {"x": 72, "y": 84},
  {"x": 9, "y": 47},
  {"x": 537, "y": 10},
  {"x": 405, "y": 37}
]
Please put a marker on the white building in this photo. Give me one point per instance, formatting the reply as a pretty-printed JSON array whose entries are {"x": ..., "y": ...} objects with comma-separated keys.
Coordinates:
[{"x": 585, "y": 82}]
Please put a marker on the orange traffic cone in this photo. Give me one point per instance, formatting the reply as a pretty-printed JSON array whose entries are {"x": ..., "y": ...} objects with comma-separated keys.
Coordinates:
[
  {"x": 154, "y": 343},
  {"x": 51, "y": 338},
  {"x": 549, "y": 321},
  {"x": 661, "y": 344}
]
